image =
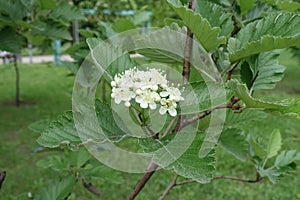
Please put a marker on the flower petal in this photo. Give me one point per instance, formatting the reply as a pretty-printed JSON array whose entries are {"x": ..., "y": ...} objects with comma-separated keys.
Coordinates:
[
  {"x": 172, "y": 112},
  {"x": 162, "y": 110},
  {"x": 143, "y": 104},
  {"x": 164, "y": 94},
  {"x": 152, "y": 106}
]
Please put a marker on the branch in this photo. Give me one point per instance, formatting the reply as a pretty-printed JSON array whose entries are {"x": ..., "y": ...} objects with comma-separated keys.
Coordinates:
[
  {"x": 236, "y": 25},
  {"x": 90, "y": 188},
  {"x": 2, "y": 178},
  {"x": 173, "y": 183},
  {"x": 169, "y": 127},
  {"x": 142, "y": 182},
  {"x": 188, "y": 49},
  {"x": 258, "y": 178},
  {"x": 170, "y": 186},
  {"x": 209, "y": 111},
  {"x": 231, "y": 71},
  {"x": 186, "y": 61}
]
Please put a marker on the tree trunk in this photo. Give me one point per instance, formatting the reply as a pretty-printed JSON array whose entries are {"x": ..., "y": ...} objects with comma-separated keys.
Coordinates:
[{"x": 17, "y": 81}]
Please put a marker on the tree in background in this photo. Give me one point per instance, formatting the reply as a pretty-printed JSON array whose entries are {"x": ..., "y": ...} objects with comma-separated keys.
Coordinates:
[{"x": 35, "y": 22}]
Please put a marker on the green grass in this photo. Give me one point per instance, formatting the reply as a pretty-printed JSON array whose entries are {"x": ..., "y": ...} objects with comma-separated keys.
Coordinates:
[{"x": 47, "y": 91}]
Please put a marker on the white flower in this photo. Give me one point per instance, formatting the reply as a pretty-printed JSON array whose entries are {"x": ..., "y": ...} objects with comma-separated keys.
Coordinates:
[
  {"x": 121, "y": 94},
  {"x": 173, "y": 93},
  {"x": 147, "y": 99},
  {"x": 168, "y": 105},
  {"x": 147, "y": 88}
]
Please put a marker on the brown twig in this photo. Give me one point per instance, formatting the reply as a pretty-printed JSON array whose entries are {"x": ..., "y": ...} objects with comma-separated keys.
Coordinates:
[
  {"x": 205, "y": 113},
  {"x": 258, "y": 179},
  {"x": 236, "y": 25},
  {"x": 90, "y": 188},
  {"x": 169, "y": 127},
  {"x": 186, "y": 61},
  {"x": 231, "y": 71},
  {"x": 188, "y": 49},
  {"x": 254, "y": 78},
  {"x": 174, "y": 182},
  {"x": 2, "y": 178},
  {"x": 170, "y": 186},
  {"x": 143, "y": 180}
]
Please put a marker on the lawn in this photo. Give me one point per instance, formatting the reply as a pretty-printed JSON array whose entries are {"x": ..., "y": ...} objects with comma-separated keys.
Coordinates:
[{"x": 46, "y": 91}]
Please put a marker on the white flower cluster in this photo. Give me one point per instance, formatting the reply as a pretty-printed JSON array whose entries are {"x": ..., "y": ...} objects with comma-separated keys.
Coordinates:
[{"x": 147, "y": 88}]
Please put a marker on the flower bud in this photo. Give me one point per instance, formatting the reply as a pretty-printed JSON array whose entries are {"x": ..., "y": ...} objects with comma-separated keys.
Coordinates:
[
  {"x": 127, "y": 104},
  {"x": 113, "y": 84}
]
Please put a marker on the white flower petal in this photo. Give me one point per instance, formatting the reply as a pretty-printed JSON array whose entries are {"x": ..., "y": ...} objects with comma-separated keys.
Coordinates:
[
  {"x": 172, "y": 112},
  {"x": 113, "y": 84},
  {"x": 117, "y": 100},
  {"x": 144, "y": 104},
  {"x": 127, "y": 104},
  {"x": 138, "y": 99},
  {"x": 162, "y": 110},
  {"x": 164, "y": 93},
  {"x": 152, "y": 106}
]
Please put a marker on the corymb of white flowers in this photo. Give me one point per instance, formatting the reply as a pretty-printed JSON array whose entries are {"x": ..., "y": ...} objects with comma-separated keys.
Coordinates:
[{"x": 147, "y": 88}]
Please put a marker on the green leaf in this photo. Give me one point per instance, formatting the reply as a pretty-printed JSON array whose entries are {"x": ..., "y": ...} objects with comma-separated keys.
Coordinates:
[
  {"x": 48, "y": 4},
  {"x": 260, "y": 10},
  {"x": 39, "y": 126},
  {"x": 286, "y": 158},
  {"x": 121, "y": 25},
  {"x": 53, "y": 30},
  {"x": 216, "y": 16},
  {"x": 245, "y": 6},
  {"x": 103, "y": 172},
  {"x": 274, "y": 144},
  {"x": 189, "y": 164},
  {"x": 14, "y": 9},
  {"x": 247, "y": 76},
  {"x": 242, "y": 119},
  {"x": 266, "y": 70},
  {"x": 134, "y": 116},
  {"x": 55, "y": 162},
  {"x": 288, "y": 108},
  {"x": 70, "y": 162},
  {"x": 58, "y": 189},
  {"x": 257, "y": 148},
  {"x": 275, "y": 31},
  {"x": 109, "y": 58},
  {"x": 10, "y": 40},
  {"x": 288, "y": 5},
  {"x": 82, "y": 157},
  {"x": 110, "y": 122},
  {"x": 201, "y": 96},
  {"x": 272, "y": 174},
  {"x": 66, "y": 12},
  {"x": 108, "y": 30},
  {"x": 157, "y": 41},
  {"x": 62, "y": 132},
  {"x": 234, "y": 143},
  {"x": 88, "y": 33},
  {"x": 170, "y": 21},
  {"x": 207, "y": 35}
]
